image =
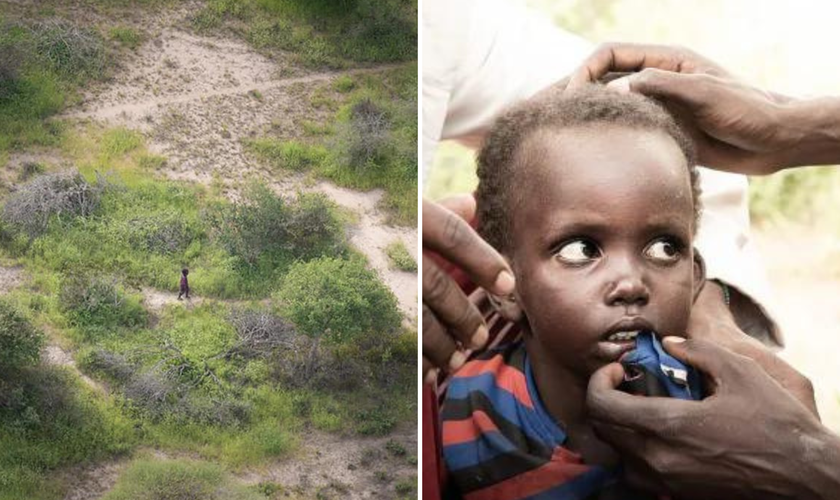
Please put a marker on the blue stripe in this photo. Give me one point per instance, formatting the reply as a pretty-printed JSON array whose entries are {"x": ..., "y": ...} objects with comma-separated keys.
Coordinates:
[
  {"x": 485, "y": 447},
  {"x": 505, "y": 405}
]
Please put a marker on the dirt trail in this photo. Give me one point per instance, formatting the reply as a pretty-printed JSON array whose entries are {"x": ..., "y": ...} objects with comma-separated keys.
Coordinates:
[
  {"x": 197, "y": 98},
  {"x": 353, "y": 468}
]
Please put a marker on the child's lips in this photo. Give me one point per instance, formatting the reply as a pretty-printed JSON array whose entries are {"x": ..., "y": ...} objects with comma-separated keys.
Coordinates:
[{"x": 612, "y": 350}]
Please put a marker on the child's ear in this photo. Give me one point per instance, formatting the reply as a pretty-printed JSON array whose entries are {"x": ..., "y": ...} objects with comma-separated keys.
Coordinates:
[
  {"x": 507, "y": 306},
  {"x": 699, "y": 273}
]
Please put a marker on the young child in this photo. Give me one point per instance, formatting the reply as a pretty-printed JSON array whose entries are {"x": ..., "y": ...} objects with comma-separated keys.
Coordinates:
[
  {"x": 185, "y": 284},
  {"x": 592, "y": 197}
]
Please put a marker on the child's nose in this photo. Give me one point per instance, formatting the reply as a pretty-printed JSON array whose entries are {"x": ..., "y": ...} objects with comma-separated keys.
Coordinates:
[{"x": 628, "y": 287}]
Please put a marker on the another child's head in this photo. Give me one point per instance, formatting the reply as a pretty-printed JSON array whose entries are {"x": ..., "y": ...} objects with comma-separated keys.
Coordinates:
[
  {"x": 593, "y": 198},
  {"x": 185, "y": 271}
]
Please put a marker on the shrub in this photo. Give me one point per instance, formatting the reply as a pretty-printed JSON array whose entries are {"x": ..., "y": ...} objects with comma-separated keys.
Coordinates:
[
  {"x": 362, "y": 139},
  {"x": 260, "y": 333},
  {"x": 72, "y": 51},
  {"x": 337, "y": 299},
  {"x": 400, "y": 258},
  {"x": 12, "y": 56},
  {"x": 61, "y": 195},
  {"x": 265, "y": 226},
  {"x": 99, "y": 303},
  {"x": 114, "y": 366},
  {"x": 163, "y": 233},
  {"x": 20, "y": 342}
]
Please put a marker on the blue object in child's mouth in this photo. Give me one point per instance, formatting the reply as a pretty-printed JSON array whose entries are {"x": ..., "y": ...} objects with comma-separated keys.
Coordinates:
[{"x": 650, "y": 371}]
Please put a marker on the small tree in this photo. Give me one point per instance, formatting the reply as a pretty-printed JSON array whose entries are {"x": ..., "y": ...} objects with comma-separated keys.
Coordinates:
[
  {"x": 337, "y": 300},
  {"x": 20, "y": 342}
]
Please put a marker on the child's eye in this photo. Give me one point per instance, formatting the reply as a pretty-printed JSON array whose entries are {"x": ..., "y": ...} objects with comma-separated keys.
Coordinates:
[
  {"x": 664, "y": 250},
  {"x": 578, "y": 252}
]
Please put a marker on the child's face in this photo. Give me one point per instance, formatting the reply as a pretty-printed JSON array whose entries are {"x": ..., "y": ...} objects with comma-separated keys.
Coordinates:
[{"x": 602, "y": 242}]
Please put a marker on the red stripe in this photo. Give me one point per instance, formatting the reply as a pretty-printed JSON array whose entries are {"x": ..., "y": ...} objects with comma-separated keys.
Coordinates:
[
  {"x": 464, "y": 431},
  {"x": 507, "y": 377},
  {"x": 564, "y": 466}
]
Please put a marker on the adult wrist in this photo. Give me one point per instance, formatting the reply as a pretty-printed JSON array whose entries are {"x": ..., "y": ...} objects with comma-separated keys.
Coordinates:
[
  {"x": 810, "y": 131},
  {"x": 819, "y": 457}
]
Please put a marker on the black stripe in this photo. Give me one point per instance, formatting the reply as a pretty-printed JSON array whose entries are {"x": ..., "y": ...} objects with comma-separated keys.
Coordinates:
[{"x": 494, "y": 471}]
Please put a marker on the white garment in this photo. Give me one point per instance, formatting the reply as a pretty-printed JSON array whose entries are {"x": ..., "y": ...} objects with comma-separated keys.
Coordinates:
[{"x": 480, "y": 56}]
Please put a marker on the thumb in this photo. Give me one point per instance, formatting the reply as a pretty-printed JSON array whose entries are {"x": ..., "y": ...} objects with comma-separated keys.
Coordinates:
[{"x": 707, "y": 357}]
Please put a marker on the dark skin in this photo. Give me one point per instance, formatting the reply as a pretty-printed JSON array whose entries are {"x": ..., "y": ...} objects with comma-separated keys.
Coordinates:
[
  {"x": 596, "y": 250},
  {"x": 737, "y": 127},
  {"x": 759, "y": 435},
  {"x": 451, "y": 323}
]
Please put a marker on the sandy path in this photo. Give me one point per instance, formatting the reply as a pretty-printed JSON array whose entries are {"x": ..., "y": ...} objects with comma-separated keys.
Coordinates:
[
  {"x": 196, "y": 98},
  {"x": 355, "y": 468}
]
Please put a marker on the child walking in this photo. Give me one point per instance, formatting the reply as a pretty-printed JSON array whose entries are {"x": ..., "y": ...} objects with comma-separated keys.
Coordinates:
[{"x": 185, "y": 284}]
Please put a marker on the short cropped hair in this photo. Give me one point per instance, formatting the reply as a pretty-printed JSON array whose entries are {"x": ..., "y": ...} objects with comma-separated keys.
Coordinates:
[{"x": 499, "y": 160}]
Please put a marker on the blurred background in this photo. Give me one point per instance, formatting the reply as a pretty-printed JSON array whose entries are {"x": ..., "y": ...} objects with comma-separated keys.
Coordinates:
[{"x": 782, "y": 45}]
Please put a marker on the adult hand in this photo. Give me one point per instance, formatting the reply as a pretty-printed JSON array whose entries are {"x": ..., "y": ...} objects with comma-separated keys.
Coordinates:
[
  {"x": 450, "y": 321},
  {"x": 750, "y": 439},
  {"x": 712, "y": 320},
  {"x": 736, "y": 127}
]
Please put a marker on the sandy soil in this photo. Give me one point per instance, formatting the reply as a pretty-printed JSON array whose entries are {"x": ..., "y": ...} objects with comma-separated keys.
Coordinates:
[
  {"x": 352, "y": 468},
  {"x": 10, "y": 278}
]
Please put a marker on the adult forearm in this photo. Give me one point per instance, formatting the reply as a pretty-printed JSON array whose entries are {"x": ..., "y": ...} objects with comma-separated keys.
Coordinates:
[{"x": 812, "y": 127}]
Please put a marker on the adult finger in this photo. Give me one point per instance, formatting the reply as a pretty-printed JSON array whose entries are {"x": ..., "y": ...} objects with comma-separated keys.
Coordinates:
[
  {"x": 611, "y": 57},
  {"x": 450, "y": 236},
  {"x": 438, "y": 346},
  {"x": 708, "y": 357},
  {"x": 607, "y": 405},
  {"x": 430, "y": 372},
  {"x": 451, "y": 306},
  {"x": 462, "y": 205}
]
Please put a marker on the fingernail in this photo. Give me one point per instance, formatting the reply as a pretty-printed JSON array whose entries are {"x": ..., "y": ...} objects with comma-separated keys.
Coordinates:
[
  {"x": 504, "y": 283},
  {"x": 457, "y": 360},
  {"x": 432, "y": 376},
  {"x": 620, "y": 85},
  {"x": 479, "y": 338},
  {"x": 673, "y": 340}
]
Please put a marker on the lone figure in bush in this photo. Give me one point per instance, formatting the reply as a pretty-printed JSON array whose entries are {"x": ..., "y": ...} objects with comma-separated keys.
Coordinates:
[{"x": 185, "y": 284}]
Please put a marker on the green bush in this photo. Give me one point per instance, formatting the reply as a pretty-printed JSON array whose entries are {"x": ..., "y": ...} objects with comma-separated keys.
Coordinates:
[
  {"x": 20, "y": 342},
  {"x": 97, "y": 303},
  {"x": 337, "y": 299},
  {"x": 400, "y": 257},
  {"x": 265, "y": 227}
]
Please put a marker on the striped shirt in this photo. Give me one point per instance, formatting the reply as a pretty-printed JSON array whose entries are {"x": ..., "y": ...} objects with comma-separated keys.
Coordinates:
[{"x": 500, "y": 443}]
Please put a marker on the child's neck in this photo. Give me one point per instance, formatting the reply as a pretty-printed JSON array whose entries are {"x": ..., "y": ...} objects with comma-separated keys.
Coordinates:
[{"x": 563, "y": 393}]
